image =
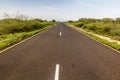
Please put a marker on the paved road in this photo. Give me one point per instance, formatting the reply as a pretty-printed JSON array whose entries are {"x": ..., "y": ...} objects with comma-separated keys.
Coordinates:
[{"x": 78, "y": 58}]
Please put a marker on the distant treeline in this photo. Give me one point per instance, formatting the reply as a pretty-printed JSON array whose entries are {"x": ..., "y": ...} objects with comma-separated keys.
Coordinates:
[
  {"x": 106, "y": 26},
  {"x": 8, "y": 26}
]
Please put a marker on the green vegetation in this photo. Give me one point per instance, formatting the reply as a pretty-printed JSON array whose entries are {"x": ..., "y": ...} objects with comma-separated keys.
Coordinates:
[
  {"x": 112, "y": 44},
  {"x": 106, "y": 27},
  {"x": 8, "y": 26},
  {"x": 15, "y": 30}
]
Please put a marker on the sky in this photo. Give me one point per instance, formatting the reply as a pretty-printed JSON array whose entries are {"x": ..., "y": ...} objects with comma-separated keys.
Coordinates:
[{"x": 61, "y": 10}]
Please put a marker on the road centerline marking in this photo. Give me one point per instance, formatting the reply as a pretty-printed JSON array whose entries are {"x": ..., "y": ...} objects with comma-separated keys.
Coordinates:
[
  {"x": 57, "y": 72},
  {"x": 60, "y": 33}
]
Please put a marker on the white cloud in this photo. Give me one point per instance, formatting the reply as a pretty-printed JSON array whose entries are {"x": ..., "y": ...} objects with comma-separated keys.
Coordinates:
[{"x": 84, "y": 3}]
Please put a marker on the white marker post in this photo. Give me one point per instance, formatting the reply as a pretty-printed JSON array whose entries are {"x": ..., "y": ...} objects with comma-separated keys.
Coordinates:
[{"x": 57, "y": 72}]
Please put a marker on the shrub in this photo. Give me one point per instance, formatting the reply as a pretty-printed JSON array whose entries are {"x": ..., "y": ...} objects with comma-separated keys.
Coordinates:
[
  {"x": 8, "y": 26},
  {"x": 79, "y": 24},
  {"x": 105, "y": 26},
  {"x": 91, "y": 26}
]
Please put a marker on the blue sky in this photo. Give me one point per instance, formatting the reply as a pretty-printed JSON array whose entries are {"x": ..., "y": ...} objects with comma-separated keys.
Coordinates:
[{"x": 61, "y": 9}]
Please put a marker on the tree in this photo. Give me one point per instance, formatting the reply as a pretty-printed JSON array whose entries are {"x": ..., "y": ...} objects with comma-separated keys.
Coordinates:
[
  {"x": 20, "y": 16},
  {"x": 6, "y": 16},
  {"x": 70, "y": 21},
  {"x": 53, "y": 20}
]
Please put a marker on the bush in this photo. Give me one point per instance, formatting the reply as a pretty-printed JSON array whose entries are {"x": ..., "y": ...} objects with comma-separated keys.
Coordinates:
[
  {"x": 8, "y": 26},
  {"x": 79, "y": 24},
  {"x": 92, "y": 26},
  {"x": 105, "y": 26}
]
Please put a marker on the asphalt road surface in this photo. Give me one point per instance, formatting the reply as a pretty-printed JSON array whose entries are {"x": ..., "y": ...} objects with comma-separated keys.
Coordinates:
[{"x": 60, "y": 53}]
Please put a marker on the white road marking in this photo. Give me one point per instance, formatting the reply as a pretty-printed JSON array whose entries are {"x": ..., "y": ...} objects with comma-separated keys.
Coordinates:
[
  {"x": 60, "y": 33},
  {"x": 57, "y": 72}
]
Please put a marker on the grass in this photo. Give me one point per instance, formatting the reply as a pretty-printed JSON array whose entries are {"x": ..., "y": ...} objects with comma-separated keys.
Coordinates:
[
  {"x": 10, "y": 39},
  {"x": 111, "y": 44}
]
